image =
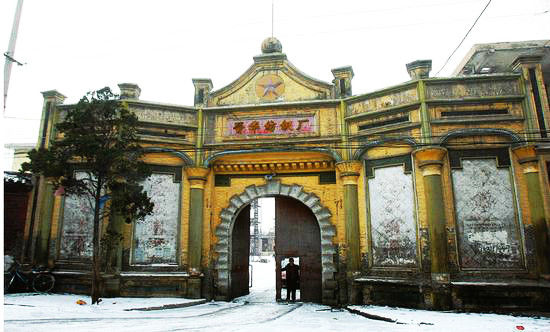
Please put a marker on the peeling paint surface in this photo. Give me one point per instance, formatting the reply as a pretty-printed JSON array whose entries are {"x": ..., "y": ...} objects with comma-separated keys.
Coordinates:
[
  {"x": 155, "y": 237},
  {"x": 392, "y": 99},
  {"x": 487, "y": 231},
  {"x": 163, "y": 116},
  {"x": 393, "y": 228},
  {"x": 473, "y": 89}
]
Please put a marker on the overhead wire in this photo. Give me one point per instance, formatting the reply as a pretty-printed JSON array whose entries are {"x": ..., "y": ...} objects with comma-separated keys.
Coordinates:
[{"x": 464, "y": 38}]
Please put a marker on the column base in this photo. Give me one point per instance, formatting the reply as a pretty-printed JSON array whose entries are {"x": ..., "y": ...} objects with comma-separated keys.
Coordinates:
[{"x": 194, "y": 288}]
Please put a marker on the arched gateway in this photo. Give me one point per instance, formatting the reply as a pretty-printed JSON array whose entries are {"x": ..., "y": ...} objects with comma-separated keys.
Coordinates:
[{"x": 272, "y": 188}]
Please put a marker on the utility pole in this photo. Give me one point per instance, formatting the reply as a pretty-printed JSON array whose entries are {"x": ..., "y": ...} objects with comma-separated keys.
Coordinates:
[
  {"x": 255, "y": 245},
  {"x": 11, "y": 51}
]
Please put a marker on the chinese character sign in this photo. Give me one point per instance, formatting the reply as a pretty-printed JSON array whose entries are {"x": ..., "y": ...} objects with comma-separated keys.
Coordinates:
[{"x": 271, "y": 126}]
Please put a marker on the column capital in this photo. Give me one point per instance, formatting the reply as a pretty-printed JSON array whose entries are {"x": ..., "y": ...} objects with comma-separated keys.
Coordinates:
[
  {"x": 419, "y": 69},
  {"x": 53, "y": 95},
  {"x": 527, "y": 157},
  {"x": 430, "y": 159},
  {"x": 526, "y": 61},
  {"x": 197, "y": 176},
  {"x": 349, "y": 171},
  {"x": 129, "y": 91}
]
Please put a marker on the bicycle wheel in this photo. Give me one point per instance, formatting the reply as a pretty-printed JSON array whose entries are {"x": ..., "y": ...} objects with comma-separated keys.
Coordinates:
[
  {"x": 7, "y": 284},
  {"x": 43, "y": 282}
]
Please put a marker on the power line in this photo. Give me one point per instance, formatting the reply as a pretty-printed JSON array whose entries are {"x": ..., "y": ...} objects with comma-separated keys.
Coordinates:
[{"x": 467, "y": 33}]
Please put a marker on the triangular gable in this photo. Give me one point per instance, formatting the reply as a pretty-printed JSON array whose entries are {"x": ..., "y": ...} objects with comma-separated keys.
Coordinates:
[{"x": 271, "y": 79}]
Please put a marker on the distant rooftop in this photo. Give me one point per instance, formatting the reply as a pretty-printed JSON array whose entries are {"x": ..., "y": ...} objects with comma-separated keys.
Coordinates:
[{"x": 498, "y": 57}]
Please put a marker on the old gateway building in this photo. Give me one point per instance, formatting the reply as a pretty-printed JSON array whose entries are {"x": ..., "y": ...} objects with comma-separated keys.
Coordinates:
[{"x": 433, "y": 193}]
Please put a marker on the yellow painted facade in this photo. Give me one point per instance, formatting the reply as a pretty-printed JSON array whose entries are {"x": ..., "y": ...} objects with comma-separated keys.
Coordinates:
[{"x": 275, "y": 128}]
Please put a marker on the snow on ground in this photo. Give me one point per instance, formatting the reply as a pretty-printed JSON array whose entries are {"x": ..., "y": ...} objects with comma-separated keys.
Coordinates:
[
  {"x": 426, "y": 320},
  {"x": 252, "y": 313},
  {"x": 38, "y": 306}
]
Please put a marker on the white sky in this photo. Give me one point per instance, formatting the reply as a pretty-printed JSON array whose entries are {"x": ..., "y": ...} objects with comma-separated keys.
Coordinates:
[
  {"x": 78, "y": 46},
  {"x": 266, "y": 214}
]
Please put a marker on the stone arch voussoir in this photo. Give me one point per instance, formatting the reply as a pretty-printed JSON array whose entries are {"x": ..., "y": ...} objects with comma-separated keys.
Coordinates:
[{"x": 273, "y": 188}]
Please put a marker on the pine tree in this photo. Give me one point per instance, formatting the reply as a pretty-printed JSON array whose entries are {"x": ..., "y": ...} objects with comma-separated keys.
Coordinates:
[{"x": 96, "y": 154}]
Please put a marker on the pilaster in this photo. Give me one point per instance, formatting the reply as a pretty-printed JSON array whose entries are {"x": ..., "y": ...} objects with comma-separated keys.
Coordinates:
[
  {"x": 52, "y": 98},
  {"x": 349, "y": 172},
  {"x": 430, "y": 161},
  {"x": 529, "y": 162},
  {"x": 40, "y": 208},
  {"x": 538, "y": 108},
  {"x": 197, "y": 177}
]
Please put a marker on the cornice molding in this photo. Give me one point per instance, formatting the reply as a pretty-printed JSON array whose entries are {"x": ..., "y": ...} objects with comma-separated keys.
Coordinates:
[{"x": 309, "y": 165}]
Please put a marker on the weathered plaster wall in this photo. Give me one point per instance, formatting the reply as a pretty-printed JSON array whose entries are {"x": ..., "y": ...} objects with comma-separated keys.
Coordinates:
[
  {"x": 156, "y": 237},
  {"x": 483, "y": 87},
  {"x": 513, "y": 109},
  {"x": 392, "y": 209},
  {"x": 77, "y": 229},
  {"x": 486, "y": 218},
  {"x": 385, "y": 99}
]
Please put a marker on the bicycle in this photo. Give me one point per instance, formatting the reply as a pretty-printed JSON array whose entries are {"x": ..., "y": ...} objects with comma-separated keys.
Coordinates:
[{"x": 41, "y": 280}]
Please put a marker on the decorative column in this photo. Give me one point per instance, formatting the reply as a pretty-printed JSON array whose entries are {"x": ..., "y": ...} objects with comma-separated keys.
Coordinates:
[
  {"x": 527, "y": 157},
  {"x": 197, "y": 177},
  {"x": 420, "y": 70},
  {"x": 430, "y": 161},
  {"x": 37, "y": 228},
  {"x": 537, "y": 105},
  {"x": 349, "y": 173}
]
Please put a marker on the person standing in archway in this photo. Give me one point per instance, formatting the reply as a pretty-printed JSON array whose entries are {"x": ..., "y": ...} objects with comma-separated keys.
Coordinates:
[{"x": 292, "y": 279}]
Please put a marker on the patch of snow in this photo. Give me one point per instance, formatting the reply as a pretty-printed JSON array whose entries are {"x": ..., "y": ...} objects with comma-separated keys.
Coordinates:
[
  {"x": 255, "y": 312},
  {"x": 425, "y": 320},
  {"x": 59, "y": 312}
]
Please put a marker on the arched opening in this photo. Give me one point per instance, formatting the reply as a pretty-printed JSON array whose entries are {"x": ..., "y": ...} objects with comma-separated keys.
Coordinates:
[
  {"x": 297, "y": 236},
  {"x": 230, "y": 276}
]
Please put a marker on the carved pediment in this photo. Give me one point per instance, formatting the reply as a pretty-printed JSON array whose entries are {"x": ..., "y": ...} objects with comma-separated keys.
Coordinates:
[{"x": 271, "y": 79}]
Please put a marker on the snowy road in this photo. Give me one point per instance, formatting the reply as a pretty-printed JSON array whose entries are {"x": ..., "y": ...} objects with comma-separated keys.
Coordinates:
[
  {"x": 209, "y": 317},
  {"x": 257, "y": 312},
  {"x": 60, "y": 313},
  {"x": 214, "y": 316}
]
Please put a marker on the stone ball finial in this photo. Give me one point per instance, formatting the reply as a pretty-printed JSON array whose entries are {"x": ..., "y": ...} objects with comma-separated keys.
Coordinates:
[{"x": 271, "y": 45}]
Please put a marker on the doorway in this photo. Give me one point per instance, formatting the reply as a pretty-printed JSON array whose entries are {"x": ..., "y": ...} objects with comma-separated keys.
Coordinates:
[{"x": 297, "y": 235}]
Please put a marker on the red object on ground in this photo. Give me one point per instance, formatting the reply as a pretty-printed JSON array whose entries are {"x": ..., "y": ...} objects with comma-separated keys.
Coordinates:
[{"x": 519, "y": 327}]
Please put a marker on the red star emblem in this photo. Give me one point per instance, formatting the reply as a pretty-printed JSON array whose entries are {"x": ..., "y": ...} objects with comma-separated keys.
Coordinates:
[{"x": 270, "y": 87}]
